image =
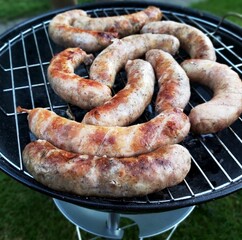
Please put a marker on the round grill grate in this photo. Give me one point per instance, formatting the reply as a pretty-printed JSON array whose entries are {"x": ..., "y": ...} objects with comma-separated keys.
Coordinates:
[{"x": 25, "y": 52}]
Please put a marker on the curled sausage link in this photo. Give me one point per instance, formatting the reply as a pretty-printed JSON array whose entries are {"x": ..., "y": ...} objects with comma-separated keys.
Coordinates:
[
  {"x": 74, "y": 89},
  {"x": 194, "y": 41},
  {"x": 129, "y": 103},
  {"x": 75, "y": 29},
  {"x": 106, "y": 65},
  {"x": 226, "y": 103}
]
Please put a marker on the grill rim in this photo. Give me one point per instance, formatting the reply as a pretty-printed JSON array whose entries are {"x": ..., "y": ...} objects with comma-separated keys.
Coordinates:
[{"x": 111, "y": 205}]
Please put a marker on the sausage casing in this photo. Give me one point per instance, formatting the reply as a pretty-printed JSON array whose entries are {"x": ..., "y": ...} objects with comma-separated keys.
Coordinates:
[
  {"x": 194, "y": 41},
  {"x": 174, "y": 86},
  {"x": 84, "y": 93},
  {"x": 169, "y": 127},
  {"x": 226, "y": 103},
  {"x": 106, "y": 65},
  {"x": 106, "y": 177},
  {"x": 75, "y": 28},
  {"x": 130, "y": 102}
]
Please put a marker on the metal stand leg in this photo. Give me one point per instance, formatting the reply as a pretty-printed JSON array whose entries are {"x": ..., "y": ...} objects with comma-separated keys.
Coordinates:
[
  {"x": 78, "y": 233},
  {"x": 172, "y": 231},
  {"x": 113, "y": 223}
]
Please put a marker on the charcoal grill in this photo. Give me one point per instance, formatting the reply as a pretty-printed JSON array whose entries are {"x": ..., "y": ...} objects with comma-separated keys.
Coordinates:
[{"x": 25, "y": 53}]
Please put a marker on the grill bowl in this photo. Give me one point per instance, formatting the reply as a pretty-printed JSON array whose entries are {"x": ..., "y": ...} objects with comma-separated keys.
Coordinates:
[{"x": 25, "y": 52}]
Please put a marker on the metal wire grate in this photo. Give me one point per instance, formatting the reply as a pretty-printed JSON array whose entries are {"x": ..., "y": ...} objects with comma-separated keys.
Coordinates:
[{"x": 216, "y": 158}]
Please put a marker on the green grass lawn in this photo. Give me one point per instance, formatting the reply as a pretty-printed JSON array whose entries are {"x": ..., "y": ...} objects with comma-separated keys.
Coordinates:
[
  {"x": 13, "y": 9},
  {"x": 221, "y": 8},
  {"x": 28, "y": 215}
]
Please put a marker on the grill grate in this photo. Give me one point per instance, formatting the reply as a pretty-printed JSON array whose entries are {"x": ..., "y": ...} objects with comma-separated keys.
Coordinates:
[{"x": 216, "y": 158}]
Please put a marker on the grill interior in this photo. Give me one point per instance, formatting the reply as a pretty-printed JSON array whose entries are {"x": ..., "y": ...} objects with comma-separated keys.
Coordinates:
[{"x": 216, "y": 158}]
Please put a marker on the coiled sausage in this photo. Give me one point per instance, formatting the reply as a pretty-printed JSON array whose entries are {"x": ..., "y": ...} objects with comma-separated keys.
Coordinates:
[
  {"x": 106, "y": 65},
  {"x": 75, "y": 28},
  {"x": 84, "y": 93},
  {"x": 129, "y": 103},
  {"x": 226, "y": 104},
  {"x": 194, "y": 41}
]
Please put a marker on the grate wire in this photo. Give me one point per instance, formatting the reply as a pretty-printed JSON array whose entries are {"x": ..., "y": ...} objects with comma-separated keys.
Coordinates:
[{"x": 10, "y": 68}]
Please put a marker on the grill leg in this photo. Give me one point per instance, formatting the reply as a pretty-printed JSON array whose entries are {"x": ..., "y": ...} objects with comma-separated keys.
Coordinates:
[
  {"x": 172, "y": 231},
  {"x": 113, "y": 225},
  {"x": 169, "y": 236},
  {"x": 113, "y": 222},
  {"x": 78, "y": 233}
]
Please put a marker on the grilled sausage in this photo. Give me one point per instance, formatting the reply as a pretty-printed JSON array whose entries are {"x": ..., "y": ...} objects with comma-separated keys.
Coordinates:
[
  {"x": 226, "y": 104},
  {"x": 75, "y": 29},
  {"x": 106, "y": 177},
  {"x": 169, "y": 127},
  {"x": 194, "y": 41},
  {"x": 74, "y": 89},
  {"x": 174, "y": 87},
  {"x": 129, "y": 103},
  {"x": 106, "y": 65}
]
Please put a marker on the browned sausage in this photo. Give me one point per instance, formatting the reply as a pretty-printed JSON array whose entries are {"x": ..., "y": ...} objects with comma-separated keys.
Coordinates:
[
  {"x": 106, "y": 177},
  {"x": 129, "y": 103},
  {"x": 169, "y": 127},
  {"x": 226, "y": 104},
  {"x": 174, "y": 87},
  {"x": 75, "y": 29},
  {"x": 84, "y": 93},
  {"x": 194, "y": 41},
  {"x": 106, "y": 65}
]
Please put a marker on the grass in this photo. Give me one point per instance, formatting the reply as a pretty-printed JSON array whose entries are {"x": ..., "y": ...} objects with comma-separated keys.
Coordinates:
[
  {"x": 13, "y": 9},
  {"x": 26, "y": 214},
  {"x": 221, "y": 8}
]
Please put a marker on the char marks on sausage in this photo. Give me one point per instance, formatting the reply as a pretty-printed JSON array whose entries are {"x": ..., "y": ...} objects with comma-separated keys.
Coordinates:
[
  {"x": 130, "y": 102},
  {"x": 75, "y": 28},
  {"x": 174, "y": 86},
  {"x": 84, "y": 93},
  {"x": 169, "y": 127},
  {"x": 87, "y": 175},
  {"x": 193, "y": 40},
  {"x": 106, "y": 65}
]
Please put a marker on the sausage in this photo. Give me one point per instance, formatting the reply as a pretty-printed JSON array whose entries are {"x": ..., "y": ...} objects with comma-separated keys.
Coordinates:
[
  {"x": 194, "y": 41},
  {"x": 106, "y": 65},
  {"x": 174, "y": 87},
  {"x": 84, "y": 93},
  {"x": 225, "y": 107},
  {"x": 63, "y": 33},
  {"x": 124, "y": 25},
  {"x": 75, "y": 28},
  {"x": 87, "y": 175},
  {"x": 169, "y": 127},
  {"x": 130, "y": 102}
]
